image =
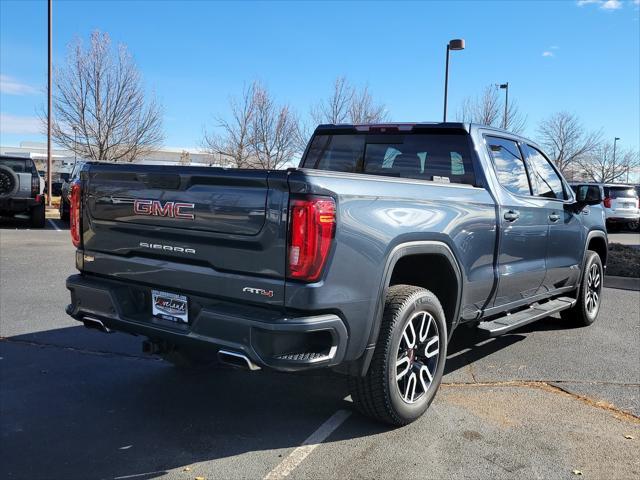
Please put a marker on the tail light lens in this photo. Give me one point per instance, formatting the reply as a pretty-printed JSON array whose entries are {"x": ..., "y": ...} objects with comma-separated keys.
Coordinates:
[
  {"x": 74, "y": 214},
  {"x": 35, "y": 185},
  {"x": 607, "y": 202},
  {"x": 312, "y": 227}
]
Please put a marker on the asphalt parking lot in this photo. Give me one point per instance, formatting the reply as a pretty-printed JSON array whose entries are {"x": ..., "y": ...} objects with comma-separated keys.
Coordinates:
[{"x": 542, "y": 402}]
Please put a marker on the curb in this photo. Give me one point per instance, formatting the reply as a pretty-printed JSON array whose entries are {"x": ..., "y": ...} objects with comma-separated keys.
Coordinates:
[{"x": 622, "y": 283}]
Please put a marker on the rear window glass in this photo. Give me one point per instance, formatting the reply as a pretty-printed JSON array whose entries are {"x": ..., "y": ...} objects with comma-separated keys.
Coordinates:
[
  {"x": 433, "y": 156},
  {"x": 621, "y": 192},
  {"x": 18, "y": 166}
]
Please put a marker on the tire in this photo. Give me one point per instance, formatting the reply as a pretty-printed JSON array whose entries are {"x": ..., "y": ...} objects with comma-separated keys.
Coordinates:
[
  {"x": 633, "y": 225},
  {"x": 9, "y": 182},
  {"x": 64, "y": 212},
  {"x": 37, "y": 216},
  {"x": 385, "y": 393},
  {"x": 585, "y": 311}
]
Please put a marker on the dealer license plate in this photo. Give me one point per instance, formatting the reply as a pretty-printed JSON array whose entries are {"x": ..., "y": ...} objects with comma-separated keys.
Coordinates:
[{"x": 170, "y": 306}]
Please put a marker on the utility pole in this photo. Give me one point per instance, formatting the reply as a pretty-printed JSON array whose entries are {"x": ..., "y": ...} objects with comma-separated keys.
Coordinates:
[{"x": 49, "y": 162}]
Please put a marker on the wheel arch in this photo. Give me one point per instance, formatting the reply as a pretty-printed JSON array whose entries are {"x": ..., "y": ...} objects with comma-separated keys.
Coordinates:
[
  {"x": 597, "y": 241},
  {"x": 400, "y": 267}
]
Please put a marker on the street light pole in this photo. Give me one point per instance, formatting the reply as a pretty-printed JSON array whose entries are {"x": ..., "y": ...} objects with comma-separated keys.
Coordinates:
[
  {"x": 505, "y": 86},
  {"x": 49, "y": 162},
  {"x": 456, "y": 44}
]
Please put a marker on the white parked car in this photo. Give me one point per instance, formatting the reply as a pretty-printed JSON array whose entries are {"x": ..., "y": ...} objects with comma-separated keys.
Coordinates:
[{"x": 621, "y": 204}]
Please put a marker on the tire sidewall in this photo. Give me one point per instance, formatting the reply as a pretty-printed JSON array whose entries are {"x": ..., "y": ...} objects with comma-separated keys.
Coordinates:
[
  {"x": 15, "y": 180},
  {"x": 422, "y": 301},
  {"x": 589, "y": 318}
]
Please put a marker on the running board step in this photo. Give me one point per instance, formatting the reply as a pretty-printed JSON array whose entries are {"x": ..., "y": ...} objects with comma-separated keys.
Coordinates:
[{"x": 537, "y": 311}]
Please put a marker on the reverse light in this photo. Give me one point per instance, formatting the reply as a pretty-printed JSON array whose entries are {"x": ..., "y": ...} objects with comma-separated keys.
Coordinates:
[
  {"x": 311, "y": 230},
  {"x": 607, "y": 202},
  {"x": 74, "y": 214}
]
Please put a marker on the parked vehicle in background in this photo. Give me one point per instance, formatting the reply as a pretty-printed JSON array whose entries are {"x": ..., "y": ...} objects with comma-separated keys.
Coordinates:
[
  {"x": 63, "y": 208},
  {"x": 364, "y": 259},
  {"x": 20, "y": 193},
  {"x": 621, "y": 205}
]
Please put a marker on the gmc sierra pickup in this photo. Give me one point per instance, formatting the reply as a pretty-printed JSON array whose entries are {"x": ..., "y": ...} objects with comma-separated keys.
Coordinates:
[{"x": 364, "y": 259}]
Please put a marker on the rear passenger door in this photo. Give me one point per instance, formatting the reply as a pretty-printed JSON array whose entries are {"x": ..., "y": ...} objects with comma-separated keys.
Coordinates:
[
  {"x": 566, "y": 237},
  {"x": 524, "y": 226}
]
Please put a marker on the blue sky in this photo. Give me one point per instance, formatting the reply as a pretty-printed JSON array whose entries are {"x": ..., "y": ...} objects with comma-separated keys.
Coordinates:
[{"x": 193, "y": 55}]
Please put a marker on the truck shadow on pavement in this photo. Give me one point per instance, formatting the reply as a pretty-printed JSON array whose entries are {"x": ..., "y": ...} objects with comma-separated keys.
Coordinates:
[{"x": 71, "y": 412}]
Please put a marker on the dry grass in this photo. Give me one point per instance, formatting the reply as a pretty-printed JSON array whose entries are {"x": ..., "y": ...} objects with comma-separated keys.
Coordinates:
[{"x": 623, "y": 261}]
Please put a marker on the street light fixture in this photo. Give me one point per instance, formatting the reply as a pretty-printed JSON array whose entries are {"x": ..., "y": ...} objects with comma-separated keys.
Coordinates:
[
  {"x": 505, "y": 86},
  {"x": 455, "y": 44}
]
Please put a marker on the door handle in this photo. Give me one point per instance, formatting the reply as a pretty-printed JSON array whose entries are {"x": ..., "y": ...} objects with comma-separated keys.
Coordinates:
[
  {"x": 511, "y": 215},
  {"x": 554, "y": 217}
]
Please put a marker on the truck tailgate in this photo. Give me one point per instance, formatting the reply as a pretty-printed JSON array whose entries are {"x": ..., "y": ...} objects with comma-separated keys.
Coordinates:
[{"x": 206, "y": 230}]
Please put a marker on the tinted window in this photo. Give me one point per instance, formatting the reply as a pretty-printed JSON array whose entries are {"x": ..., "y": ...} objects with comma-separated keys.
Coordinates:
[
  {"x": 439, "y": 157},
  {"x": 546, "y": 182},
  {"x": 18, "y": 166},
  {"x": 622, "y": 192},
  {"x": 512, "y": 174}
]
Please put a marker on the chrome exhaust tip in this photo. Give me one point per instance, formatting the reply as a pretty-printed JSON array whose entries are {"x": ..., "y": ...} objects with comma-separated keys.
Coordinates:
[
  {"x": 95, "y": 324},
  {"x": 236, "y": 359}
]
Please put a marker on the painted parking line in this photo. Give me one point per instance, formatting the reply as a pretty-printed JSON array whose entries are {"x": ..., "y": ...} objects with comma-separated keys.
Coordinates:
[
  {"x": 296, "y": 457},
  {"x": 54, "y": 225}
]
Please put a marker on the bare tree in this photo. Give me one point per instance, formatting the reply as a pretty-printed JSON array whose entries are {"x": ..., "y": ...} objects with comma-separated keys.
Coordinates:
[
  {"x": 566, "y": 140},
  {"x": 274, "y": 132},
  {"x": 232, "y": 145},
  {"x": 99, "y": 106},
  {"x": 488, "y": 109},
  {"x": 600, "y": 165},
  {"x": 185, "y": 158},
  {"x": 336, "y": 108},
  {"x": 364, "y": 110},
  {"x": 260, "y": 134},
  {"x": 347, "y": 104}
]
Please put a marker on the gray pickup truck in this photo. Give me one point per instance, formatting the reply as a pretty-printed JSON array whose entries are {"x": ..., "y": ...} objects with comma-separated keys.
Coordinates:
[{"x": 364, "y": 259}]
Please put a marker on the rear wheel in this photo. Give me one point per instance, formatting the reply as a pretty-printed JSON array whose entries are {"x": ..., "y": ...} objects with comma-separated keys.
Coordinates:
[
  {"x": 37, "y": 219},
  {"x": 633, "y": 225},
  {"x": 408, "y": 362},
  {"x": 585, "y": 311}
]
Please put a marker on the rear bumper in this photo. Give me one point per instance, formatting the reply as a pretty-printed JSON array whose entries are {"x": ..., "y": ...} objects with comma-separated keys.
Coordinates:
[
  {"x": 268, "y": 338},
  {"x": 622, "y": 216},
  {"x": 17, "y": 205}
]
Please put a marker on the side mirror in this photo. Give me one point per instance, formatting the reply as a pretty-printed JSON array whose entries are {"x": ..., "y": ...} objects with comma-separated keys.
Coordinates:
[{"x": 589, "y": 195}]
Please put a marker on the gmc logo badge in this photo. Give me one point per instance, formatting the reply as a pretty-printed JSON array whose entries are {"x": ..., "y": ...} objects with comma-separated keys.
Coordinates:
[{"x": 155, "y": 208}]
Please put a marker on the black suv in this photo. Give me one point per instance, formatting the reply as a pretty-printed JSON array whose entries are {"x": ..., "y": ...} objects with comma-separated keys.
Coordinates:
[{"x": 20, "y": 195}]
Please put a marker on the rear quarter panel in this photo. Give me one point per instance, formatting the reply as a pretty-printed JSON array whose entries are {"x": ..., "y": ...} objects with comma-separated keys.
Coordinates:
[{"x": 374, "y": 215}]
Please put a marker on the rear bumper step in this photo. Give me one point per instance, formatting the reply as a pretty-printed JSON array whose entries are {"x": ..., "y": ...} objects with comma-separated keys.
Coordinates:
[
  {"x": 537, "y": 311},
  {"x": 262, "y": 336}
]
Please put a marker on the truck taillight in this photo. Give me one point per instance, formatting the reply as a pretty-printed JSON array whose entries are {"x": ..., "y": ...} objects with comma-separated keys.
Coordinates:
[
  {"x": 311, "y": 230},
  {"x": 607, "y": 202},
  {"x": 35, "y": 185},
  {"x": 74, "y": 214}
]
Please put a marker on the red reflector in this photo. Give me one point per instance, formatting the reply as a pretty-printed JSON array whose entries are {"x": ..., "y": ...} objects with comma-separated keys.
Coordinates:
[
  {"x": 312, "y": 227},
  {"x": 74, "y": 214},
  {"x": 607, "y": 202}
]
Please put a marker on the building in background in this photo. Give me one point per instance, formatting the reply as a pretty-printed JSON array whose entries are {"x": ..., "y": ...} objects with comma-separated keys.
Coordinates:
[{"x": 63, "y": 160}]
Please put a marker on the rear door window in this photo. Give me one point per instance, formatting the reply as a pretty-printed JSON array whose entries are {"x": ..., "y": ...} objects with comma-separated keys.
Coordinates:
[
  {"x": 439, "y": 157},
  {"x": 546, "y": 181},
  {"x": 509, "y": 165}
]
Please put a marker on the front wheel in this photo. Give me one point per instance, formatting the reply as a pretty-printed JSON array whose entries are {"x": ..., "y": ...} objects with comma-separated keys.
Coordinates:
[
  {"x": 408, "y": 361},
  {"x": 585, "y": 311}
]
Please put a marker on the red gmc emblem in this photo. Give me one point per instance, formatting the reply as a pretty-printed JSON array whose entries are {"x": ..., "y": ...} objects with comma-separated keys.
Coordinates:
[{"x": 155, "y": 208}]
